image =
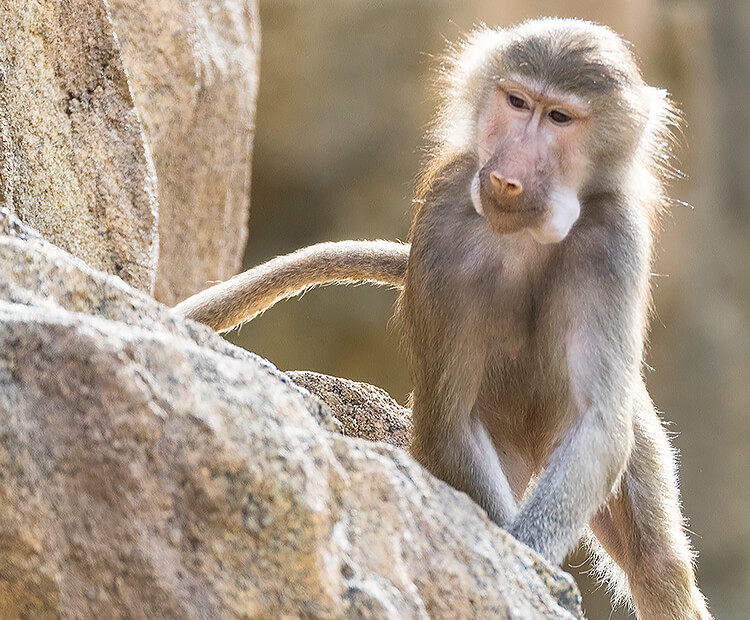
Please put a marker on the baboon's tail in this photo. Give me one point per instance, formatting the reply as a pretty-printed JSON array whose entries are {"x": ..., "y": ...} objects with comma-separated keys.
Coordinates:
[{"x": 248, "y": 294}]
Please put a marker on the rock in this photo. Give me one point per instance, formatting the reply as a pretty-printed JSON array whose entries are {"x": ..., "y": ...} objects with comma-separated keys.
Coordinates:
[
  {"x": 364, "y": 410},
  {"x": 193, "y": 70},
  {"x": 73, "y": 162},
  {"x": 150, "y": 469}
]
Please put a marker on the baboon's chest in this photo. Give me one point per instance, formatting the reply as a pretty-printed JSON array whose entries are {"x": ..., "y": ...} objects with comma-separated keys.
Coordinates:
[
  {"x": 525, "y": 394},
  {"x": 525, "y": 401}
]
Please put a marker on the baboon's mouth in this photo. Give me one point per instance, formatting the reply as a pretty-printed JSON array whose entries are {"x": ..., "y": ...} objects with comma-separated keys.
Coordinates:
[{"x": 506, "y": 221}]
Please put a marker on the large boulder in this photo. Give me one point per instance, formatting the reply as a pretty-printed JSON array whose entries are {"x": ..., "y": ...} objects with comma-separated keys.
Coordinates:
[
  {"x": 150, "y": 469},
  {"x": 90, "y": 91},
  {"x": 193, "y": 69},
  {"x": 73, "y": 162}
]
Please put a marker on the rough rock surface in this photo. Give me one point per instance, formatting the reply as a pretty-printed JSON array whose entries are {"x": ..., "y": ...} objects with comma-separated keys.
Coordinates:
[
  {"x": 150, "y": 469},
  {"x": 73, "y": 162},
  {"x": 193, "y": 69},
  {"x": 83, "y": 108},
  {"x": 364, "y": 411}
]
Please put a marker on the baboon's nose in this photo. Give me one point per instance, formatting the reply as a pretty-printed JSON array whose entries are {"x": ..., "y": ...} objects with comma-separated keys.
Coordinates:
[{"x": 504, "y": 188}]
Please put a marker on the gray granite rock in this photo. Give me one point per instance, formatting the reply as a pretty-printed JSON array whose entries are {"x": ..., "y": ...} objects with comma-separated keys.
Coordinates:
[
  {"x": 364, "y": 411},
  {"x": 150, "y": 469},
  {"x": 73, "y": 160},
  {"x": 99, "y": 98},
  {"x": 193, "y": 70}
]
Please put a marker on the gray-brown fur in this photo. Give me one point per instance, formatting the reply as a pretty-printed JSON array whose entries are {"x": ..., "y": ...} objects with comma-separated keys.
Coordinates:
[
  {"x": 526, "y": 349},
  {"x": 490, "y": 351},
  {"x": 248, "y": 294}
]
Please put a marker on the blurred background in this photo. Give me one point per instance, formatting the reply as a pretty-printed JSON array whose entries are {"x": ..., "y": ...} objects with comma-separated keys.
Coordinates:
[{"x": 345, "y": 99}]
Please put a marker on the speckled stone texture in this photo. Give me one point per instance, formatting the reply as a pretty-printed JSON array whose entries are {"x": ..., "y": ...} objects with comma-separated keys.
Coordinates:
[
  {"x": 73, "y": 161},
  {"x": 364, "y": 411},
  {"x": 150, "y": 469},
  {"x": 193, "y": 71},
  {"x": 99, "y": 98}
]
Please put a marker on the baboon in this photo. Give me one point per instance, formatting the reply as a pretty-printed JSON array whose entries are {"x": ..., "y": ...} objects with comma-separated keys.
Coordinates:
[{"x": 525, "y": 301}]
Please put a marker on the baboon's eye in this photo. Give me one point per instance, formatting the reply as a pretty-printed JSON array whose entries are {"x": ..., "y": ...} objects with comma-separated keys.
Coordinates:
[
  {"x": 517, "y": 101},
  {"x": 560, "y": 117}
]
